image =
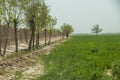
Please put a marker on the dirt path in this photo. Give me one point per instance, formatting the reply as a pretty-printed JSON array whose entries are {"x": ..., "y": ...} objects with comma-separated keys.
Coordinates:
[
  {"x": 25, "y": 67},
  {"x": 11, "y": 48}
]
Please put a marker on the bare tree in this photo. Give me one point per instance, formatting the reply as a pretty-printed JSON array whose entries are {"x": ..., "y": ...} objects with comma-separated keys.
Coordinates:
[{"x": 96, "y": 29}]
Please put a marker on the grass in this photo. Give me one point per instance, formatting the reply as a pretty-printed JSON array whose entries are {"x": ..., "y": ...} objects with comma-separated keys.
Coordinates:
[{"x": 74, "y": 59}]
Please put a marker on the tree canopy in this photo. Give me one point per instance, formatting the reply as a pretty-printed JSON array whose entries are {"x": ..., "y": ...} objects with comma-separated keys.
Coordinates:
[{"x": 67, "y": 29}]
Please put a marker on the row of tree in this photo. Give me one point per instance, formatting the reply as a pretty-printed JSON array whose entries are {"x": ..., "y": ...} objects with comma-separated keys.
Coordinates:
[{"x": 34, "y": 15}]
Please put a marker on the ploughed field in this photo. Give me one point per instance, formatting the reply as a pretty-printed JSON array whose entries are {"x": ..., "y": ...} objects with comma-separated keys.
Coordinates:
[{"x": 84, "y": 58}]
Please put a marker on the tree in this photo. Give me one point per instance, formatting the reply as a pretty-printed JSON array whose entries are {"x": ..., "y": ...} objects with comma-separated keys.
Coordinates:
[
  {"x": 30, "y": 19},
  {"x": 45, "y": 21},
  {"x": 35, "y": 14},
  {"x": 7, "y": 11},
  {"x": 41, "y": 21},
  {"x": 53, "y": 22},
  {"x": 38, "y": 27},
  {"x": 0, "y": 39},
  {"x": 0, "y": 25},
  {"x": 12, "y": 16},
  {"x": 17, "y": 10},
  {"x": 66, "y": 29},
  {"x": 96, "y": 29}
]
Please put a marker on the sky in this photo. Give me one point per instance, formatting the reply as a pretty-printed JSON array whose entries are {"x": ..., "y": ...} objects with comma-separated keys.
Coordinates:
[{"x": 84, "y": 14}]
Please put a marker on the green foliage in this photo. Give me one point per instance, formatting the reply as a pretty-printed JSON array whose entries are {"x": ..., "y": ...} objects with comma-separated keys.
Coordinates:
[
  {"x": 1, "y": 9},
  {"x": 36, "y": 14},
  {"x": 51, "y": 24},
  {"x": 13, "y": 10},
  {"x": 73, "y": 60},
  {"x": 66, "y": 29},
  {"x": 96, "y": 29},
  {"x": 116, "y": 69}
]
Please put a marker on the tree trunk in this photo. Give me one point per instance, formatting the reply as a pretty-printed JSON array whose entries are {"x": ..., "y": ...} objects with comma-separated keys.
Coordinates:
[
  {"x": 33, "y": 40},
  {"x": 0, "y": 39},
  {"x": 32, "y": 34},
  {"x": 50, "y": 35},
  {"x": 6, "y": 40},
  {"x": 67, "y": 35},
  {"x": 16, "y": 35},
  {"x": 62, "y": 36},
  {"x": 37, "y": 40},
  {"x": 30, "y": 42},
  {"x": 38, "y": 36},
  {"x": 25, "y": 36},
  {"x": 45, "y": 36}
]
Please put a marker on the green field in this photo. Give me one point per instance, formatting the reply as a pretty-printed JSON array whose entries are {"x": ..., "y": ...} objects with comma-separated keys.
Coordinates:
[{"x": 84, "y": 58}]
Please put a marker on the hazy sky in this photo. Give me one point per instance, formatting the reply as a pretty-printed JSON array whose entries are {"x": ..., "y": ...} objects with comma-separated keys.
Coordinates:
[{"x": 83, "y": 14}]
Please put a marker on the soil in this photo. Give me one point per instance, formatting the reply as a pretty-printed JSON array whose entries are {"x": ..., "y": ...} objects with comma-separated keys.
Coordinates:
[
  {"x": 23, "y": 45},
  {"x": 25, "y": 67}
]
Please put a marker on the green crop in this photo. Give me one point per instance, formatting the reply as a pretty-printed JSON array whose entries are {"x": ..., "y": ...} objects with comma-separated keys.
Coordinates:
[{"x": 76, "y": 59}]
